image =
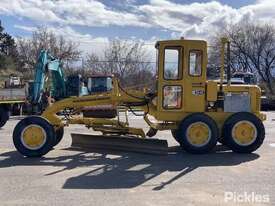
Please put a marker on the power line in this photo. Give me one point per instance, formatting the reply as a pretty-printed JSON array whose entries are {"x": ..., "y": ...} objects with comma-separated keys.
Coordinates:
[
  {"x": 108, "y": 42},
  {"x": 133, "y": 62},
  {"x": 152, "y": 44}
]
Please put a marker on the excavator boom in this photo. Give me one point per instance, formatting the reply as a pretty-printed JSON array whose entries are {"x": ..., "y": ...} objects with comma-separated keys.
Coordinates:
[{"x": 45, "y": 64}]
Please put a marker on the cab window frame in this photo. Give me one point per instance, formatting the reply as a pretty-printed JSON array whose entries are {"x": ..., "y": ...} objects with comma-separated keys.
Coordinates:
[
  {"x": 195, "y": 75},
  {"x": 180, "y": 50},
  {"x": 181, "y": 97}
]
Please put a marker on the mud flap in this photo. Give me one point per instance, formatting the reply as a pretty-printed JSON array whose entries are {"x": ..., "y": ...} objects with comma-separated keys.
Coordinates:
[{"x": 121, "y": 143}]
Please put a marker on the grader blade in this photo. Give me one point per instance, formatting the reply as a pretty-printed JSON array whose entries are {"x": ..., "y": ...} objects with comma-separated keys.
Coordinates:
[{"x": 128, "y": 144}]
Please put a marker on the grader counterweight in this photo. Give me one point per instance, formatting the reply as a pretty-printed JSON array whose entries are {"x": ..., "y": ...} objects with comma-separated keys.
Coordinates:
[{"x": 199, "y": 112}]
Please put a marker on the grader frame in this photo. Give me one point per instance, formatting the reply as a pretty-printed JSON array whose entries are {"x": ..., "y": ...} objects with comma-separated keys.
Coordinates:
[{"x": 197, "y": 111}]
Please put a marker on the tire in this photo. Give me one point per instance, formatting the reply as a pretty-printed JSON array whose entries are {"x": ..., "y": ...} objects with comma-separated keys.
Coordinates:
[
  {"x": 42, "y": 127},
  {"x": 221, "y": 138},
  {"x": 16, "y": 108},
  {"x": 222, "y": 141},
  {"x": 254, "y": 122},
  {"x": 4, "y": 116},
  {"x": 206, "y": 122},
  {"x": 59, "y": 133},
  {"x": 174, "y": 133}
]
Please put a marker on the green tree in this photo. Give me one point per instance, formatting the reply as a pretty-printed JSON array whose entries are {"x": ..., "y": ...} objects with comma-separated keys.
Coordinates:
[{"x": 7, "y": 51}]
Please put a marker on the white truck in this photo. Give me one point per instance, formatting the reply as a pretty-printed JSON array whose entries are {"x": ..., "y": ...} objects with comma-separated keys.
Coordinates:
[{"x": 12, "y": 98}]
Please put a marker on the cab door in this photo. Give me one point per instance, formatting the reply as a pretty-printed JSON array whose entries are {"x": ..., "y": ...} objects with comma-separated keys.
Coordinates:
[
  {"x": 195, "y": 76},
  {"x": 170, "y": 80}
]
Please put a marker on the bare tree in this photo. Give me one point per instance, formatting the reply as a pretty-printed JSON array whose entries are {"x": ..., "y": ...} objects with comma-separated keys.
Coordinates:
[
  {"x": 95, "y": 64},
  {"x": 29, "y": 49},
  {"x": 252, "y": 49},
  {"x": 128, "y": 60}
]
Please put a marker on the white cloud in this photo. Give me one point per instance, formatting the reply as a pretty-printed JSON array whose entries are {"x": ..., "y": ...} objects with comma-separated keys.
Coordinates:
[
  {"x": 199, "y": 20},
  {"x": 25, "y": 28},
  {"x": 73, "y": 12},
  {"x": 195, "y": 20},
  {"x": 191, "y": 20},
  {"x": 87, "y": 43},
  {"x": 263, "y": 11},
  {"x": 35, "y": 10}
]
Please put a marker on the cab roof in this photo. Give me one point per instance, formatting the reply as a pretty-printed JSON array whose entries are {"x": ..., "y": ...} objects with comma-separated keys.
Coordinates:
[{"x": 181, "y": 41}]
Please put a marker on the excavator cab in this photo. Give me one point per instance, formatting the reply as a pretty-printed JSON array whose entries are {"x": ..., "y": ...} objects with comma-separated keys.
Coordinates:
[
  {"x": 99, "y": 83},
  {"x": 76, "y": 86}
]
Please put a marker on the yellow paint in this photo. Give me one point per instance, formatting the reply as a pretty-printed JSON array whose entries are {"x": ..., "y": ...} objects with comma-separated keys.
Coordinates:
[
  {"x": 198, "y": 133},
  {"x": 196, "y": 95},
  {"x": 244, "y": 132},
  {"x": 212, "y": 91},
  {"x": 33, "y": 137}
]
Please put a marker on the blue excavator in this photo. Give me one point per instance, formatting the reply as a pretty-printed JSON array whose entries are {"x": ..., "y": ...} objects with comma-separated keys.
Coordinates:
[
  {"x": 50, "y": 84},
  {"x": 49, "y": 67}
]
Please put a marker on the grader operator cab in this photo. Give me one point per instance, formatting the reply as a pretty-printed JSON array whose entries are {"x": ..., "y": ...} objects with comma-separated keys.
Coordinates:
[{"x": 197, "y": 112}]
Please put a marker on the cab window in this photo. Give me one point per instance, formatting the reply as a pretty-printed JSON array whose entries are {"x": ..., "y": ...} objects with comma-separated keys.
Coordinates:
[
  {"x": 172, "y": 63},
  {"x": 172, "y": 97},
  {"x": 195, "y": 63}
]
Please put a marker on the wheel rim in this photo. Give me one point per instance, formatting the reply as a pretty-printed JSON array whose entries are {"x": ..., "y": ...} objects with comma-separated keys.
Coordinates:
[
  {"x": 33, "y": 137},
  {"x": 198, "y": 134},
  {"x": 244, "y": 133}
]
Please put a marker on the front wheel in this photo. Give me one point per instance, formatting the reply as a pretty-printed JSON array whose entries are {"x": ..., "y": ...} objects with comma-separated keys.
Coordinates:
[
  {"x": 244, "y": 132},
  {"x": 34, "y": 136},
  {"x": 198, "y": 133}
]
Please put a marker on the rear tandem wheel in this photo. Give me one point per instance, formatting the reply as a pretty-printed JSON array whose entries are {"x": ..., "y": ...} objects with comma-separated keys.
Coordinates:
[{"x": 243, "y": 132}]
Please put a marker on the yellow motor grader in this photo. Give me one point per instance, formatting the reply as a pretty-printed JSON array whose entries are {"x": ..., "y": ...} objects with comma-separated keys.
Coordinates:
[{"x": 197, "y": 111}]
